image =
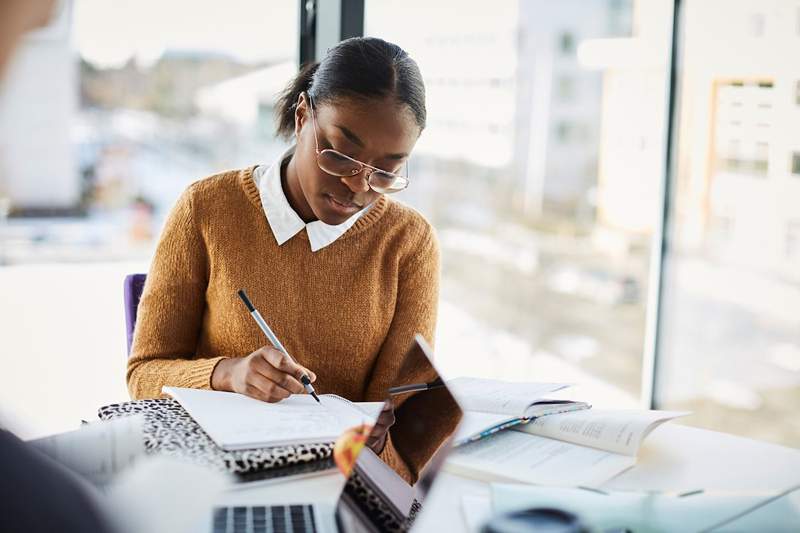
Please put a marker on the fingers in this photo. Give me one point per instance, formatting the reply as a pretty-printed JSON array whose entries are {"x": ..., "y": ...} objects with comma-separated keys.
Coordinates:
[
  {"x": 311, "y": 375},
  {"x": 281, "y": 379},
  {"x": 284, "y": 363},
  {"x": 259, "y": 387}
]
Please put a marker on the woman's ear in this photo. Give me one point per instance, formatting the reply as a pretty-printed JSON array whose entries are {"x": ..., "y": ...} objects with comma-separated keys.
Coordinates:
[{"x": 301, "y": 111}]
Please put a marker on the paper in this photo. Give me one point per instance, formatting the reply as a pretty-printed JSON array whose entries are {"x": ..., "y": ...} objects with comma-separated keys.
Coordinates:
[
  {"x": 499, "y": 397},
  {"x": 513, "y": 455},
  {"x": 237, "y": 422},
  {"x": 97, "y": 451},
  {"x": 619, "y": 431}
]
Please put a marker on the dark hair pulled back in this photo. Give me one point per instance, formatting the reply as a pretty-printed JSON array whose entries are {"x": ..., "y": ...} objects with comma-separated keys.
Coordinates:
[{"x": 360, "y": 67}]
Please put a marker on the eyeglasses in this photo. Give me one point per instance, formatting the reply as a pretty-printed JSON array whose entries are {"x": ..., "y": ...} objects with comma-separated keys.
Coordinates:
[{"x": 336, "y": 163}]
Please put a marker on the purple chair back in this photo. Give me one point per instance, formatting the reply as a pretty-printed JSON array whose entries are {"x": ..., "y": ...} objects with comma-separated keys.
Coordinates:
[{"x": 134, "y": 284}]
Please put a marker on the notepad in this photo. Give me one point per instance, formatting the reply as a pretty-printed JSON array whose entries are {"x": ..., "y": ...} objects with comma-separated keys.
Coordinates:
[{"x": 237, "y": 422}]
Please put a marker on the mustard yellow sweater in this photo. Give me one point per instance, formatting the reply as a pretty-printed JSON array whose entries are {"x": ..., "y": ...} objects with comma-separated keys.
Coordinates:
[{"x": 348, "y": 312}]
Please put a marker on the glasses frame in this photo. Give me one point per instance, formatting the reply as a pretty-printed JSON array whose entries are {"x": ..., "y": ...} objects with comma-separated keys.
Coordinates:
[{"x": 361, "y": 165}]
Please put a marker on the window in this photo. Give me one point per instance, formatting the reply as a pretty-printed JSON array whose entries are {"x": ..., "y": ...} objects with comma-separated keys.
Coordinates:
[
  {"x": 144, "y": 97},
  {"x": 741, "y": 122},
  {"x": 566, "y": 88},
  {"x": 566, "y": 43},
  {"x": 500, "y": 199},
  {"x": 721, "y": 355}
]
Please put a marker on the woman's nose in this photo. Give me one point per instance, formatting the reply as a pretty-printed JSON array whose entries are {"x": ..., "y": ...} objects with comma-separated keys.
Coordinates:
[{"x": 357, "y": 182}]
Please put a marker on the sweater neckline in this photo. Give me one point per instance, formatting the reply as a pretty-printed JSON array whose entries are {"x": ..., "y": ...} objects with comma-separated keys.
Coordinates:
[{"x": 364, "y": 222}]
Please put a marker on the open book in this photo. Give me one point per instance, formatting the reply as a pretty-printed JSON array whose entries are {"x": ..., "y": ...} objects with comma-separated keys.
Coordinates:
[
  {"x": 490, "y": 405},
  {"x": 237, "y": 422},
  {"x": 579, "y": 448}
]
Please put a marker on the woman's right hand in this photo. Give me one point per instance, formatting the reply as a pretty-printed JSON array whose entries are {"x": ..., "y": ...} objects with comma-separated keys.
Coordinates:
[{"x": 266, "y": 374}]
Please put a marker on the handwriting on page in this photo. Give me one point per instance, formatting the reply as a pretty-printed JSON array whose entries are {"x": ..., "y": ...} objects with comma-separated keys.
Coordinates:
[{"x": 286, "y": 420}]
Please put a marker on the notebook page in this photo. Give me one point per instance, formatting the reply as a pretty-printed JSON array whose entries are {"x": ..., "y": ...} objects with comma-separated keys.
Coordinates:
[
  {"x": 511, "y": 455},
  {"x": 235, "y": 421},
  {"x": 499, "y": 397},
  {"x": 618, "y": 431}
]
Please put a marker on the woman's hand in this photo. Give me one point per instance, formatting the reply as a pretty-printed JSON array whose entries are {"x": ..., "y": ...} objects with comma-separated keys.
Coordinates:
[
  {"x": 266, "y": 374},
  {"x": 377, "y": 437}
]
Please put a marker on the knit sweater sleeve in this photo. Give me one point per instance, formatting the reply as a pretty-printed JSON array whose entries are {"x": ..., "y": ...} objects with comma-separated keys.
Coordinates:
[
  {"x": 171, "y": 309},
  {"x": 415, "y": 312}
]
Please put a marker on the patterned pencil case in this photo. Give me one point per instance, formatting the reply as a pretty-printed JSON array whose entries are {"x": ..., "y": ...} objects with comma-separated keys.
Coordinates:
[{"x": 170, "y": 430}]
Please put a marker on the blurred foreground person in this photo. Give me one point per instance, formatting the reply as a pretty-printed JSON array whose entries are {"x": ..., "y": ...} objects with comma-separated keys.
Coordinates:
[{"x": 36, "y": 493}]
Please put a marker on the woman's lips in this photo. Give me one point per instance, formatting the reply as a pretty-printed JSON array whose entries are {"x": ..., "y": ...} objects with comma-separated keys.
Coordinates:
[{"x": 342, "y": 206}]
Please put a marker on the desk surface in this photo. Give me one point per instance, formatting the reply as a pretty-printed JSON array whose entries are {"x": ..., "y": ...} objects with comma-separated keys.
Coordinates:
[{"x": 673, "y": 457}]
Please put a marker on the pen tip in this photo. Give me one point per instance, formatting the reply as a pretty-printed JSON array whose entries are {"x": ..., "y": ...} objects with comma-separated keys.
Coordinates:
[{"x": 314, "y": 394}]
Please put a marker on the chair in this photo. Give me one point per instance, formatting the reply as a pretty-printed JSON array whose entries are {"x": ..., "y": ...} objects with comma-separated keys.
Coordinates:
[{"x": 133, "y": 285}]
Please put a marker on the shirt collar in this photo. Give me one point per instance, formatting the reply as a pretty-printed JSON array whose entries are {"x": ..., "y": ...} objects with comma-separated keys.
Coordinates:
[{"x": 283, "y": 220}]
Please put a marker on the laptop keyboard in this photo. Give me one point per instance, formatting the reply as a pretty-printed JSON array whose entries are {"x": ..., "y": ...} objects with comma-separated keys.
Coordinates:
[{"x": 264, "y": 519}]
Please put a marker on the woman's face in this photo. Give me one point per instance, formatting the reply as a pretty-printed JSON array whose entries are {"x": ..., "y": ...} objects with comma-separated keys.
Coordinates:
[{"x": 378, "y": 132}]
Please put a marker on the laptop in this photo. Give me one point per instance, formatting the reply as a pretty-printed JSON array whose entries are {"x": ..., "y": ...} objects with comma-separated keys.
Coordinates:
[{"x": 377, "y": 496}]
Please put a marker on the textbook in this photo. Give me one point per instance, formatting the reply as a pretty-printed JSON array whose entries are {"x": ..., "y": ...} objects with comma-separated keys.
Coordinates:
[
  {"x": 237, "y": 422},
  {"x": 491, "y": 406},
  {"x": 581, "y": 448}
]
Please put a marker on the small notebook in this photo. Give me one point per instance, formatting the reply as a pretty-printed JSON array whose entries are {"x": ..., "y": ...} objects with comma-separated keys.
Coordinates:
[{"x": 237, "y": 422}]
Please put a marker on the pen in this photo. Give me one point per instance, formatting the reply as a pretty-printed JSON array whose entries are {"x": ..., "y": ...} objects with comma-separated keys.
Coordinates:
[
  {"x": 435, "y": 384},
  {"x": 275, "y": 342}
]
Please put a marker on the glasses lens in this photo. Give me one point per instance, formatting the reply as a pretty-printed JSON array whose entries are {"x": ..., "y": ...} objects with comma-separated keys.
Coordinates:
[
  {"x": 337, "y": 164},
  {"x": 383, "y": 182}
]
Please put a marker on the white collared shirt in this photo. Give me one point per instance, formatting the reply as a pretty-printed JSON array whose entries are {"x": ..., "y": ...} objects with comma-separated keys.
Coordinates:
[{"x": 283, "y": 220}]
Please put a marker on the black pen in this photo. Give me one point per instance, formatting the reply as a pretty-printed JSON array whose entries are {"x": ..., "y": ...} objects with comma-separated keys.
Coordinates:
[
  {"x": 304, "y": 379},
  {"x": 402, "y": 389}
]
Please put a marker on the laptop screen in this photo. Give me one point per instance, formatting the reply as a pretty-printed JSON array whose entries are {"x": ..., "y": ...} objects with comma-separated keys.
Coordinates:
[{"x": 385, "y": 490}]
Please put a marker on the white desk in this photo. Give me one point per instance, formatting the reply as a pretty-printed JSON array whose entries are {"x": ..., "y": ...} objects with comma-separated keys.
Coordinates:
[{"x": 673, "y": 457}]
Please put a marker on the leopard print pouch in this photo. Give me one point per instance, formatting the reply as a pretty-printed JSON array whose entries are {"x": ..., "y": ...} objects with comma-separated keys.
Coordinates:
[{"x": 169, "y": 429}]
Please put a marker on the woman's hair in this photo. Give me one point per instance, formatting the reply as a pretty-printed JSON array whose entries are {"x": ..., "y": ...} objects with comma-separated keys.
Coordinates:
[{"x": 360, "y": 67}]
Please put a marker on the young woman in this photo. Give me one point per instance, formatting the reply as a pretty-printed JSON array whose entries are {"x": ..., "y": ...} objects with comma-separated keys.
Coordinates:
[{"x": 344, "y": 275}]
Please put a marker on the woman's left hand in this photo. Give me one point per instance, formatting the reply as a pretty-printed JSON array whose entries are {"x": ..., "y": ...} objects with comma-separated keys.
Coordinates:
[{"x": 377, "y": 437}]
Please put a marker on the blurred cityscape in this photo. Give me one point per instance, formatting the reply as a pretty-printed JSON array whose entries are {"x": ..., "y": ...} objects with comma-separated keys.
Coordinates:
[{"x": 541, "y": 168}]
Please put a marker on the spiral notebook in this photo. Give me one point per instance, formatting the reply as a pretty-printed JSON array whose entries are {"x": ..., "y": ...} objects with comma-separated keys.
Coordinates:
[{"x": 236, "y": 422}]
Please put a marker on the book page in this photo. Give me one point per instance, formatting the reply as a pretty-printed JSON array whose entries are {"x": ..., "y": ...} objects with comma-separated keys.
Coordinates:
[
  {"x": 499, "y": 397},
  {"x": 618, "y": 431},
  {"x": 512, "y": 455},
  {"x": 97, "y": 451},
  {"x": 236, "y": 422}
]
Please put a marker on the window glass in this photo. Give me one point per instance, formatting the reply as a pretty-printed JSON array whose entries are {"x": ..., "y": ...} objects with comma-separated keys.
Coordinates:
[
  {"x": 540, "y": 169},
  {"x": 730, "y": 336},
  {"x": 106, "y": 116}
]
